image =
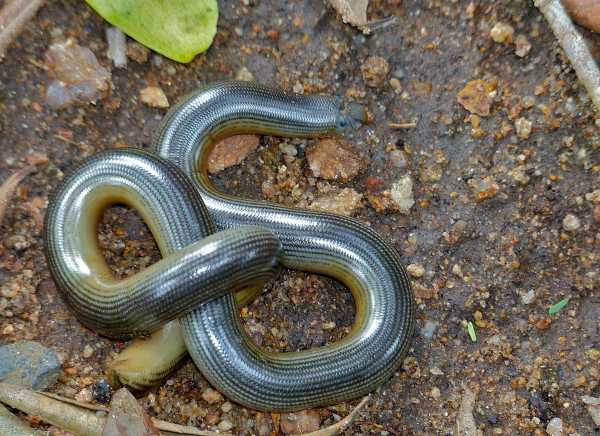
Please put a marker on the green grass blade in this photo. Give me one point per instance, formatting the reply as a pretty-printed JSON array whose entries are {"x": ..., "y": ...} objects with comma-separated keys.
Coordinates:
[
  {"x": 471, "y": 330},
  {"x": 555, "y": 308}
]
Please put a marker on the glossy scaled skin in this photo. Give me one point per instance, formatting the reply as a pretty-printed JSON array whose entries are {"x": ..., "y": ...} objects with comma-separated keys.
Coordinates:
[
  {"x": 194, "y": 268},
  {"x": 337, "y": 246}
]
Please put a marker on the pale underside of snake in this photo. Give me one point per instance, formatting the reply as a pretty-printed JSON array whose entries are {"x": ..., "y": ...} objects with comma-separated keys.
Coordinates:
[{"x": 192, "y": 287}]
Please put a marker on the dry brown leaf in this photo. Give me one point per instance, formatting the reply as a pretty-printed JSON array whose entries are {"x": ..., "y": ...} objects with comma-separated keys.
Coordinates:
[
  {"x": 7, "y": 189},
  {"x": 127, "y": 418},
  {"x": 353, "y": 12}
]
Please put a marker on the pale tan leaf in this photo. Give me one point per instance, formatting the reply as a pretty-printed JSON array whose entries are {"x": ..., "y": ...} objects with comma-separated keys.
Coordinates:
[{"x": 353, "y": 12}]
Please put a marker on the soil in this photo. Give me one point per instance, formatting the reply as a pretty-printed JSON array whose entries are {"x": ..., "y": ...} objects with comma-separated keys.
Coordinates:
[{"x": 487, "y": 223}]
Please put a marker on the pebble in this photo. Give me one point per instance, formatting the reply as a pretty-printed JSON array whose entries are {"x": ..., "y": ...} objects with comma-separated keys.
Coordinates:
[
  {"x": 584, "y": 12},
  {"x": 225, "y": 425},
  {"x": 522, "y": 46},
  {"x": 263, "y": 424},
  {"x": 102, "y": 391},
  {"x": 304, "y": 421},
  {"x": 231, "y": 151},
  {"x": 331, "y": 159},
  {"x": 476, "y": 97},
  {"x": 593, "y": 197},
  {"x": 593, "y": 406},
  {"x": 428, "y": 330},
  {"x": 154, "y": 96},
  {"x": 374, "y": 71},
  {"x": 555, "y": 427},
  {"x": 345, "y": 202},
  {"x": 398, "y": 159},
  {"x": 29, "y": 364},
  {"x": 117, "y": 47},
  {"x": 244, "y": 74},
  {"x": 88, "y": 351},
  {"x": 329, "y": 325},
  {"x": 519, "y": 175},
  {"x": 415, "y": 270},
  {"x": 226, "y": 406},
  {"x": 484, "y": 188},
  {"x": 596, "y": 213},
  {"x": 78, "y": 75},
  {"x": 137, "y": 52},
  {"x": 84, "y": 396},
  {"x": 457, "y": 270},
  {"x": 212, "y": 396},
  {"x": 523, "y": 127},
  {"x": 435, "y": 393},
  {"x": 288, "y": 149},
  {"x": 571, "y": 223},
  {"x": 502, "y": 33},
  {"x": 401, "y": 194},
  {"x": 528, "y": 297}
]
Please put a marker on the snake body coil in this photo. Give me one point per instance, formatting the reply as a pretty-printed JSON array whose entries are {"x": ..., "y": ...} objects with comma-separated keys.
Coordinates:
[{"x": 337, "y": 246}]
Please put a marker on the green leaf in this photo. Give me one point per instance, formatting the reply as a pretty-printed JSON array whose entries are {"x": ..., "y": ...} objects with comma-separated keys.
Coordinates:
[
  {"x": 471, "y": 330},
  {"x": 555, "y": 308},
  {"x": 178, "y": 29}
]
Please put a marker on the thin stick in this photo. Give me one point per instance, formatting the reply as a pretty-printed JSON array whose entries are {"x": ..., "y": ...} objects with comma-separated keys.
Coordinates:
[
  {"x": 71, "y": 415},
  {"x": 13, "y": 17},
  {"x": 342, "y": 424},
  {"x": 410, "y": 125},
  {"x": 574, "y": 46}
]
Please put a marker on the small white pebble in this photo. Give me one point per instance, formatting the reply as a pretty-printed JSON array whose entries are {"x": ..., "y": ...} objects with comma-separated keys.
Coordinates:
[
  {"x": 571, "y": 223},
  {"x": 211, "y": 396},
  {"x": 226, "y": 407},
  {"x": 84, "y": 396},
  {"x": 117, "y": 47},
  {"x": 555, "y": 427},
  {"x": 88, "y": 351},
  {"x": 502, "y": 32},
  {"x": 523, "y": 127},
  {"x": 415, "y": 270},
  {"x": 457, "y": 270},
  {"x": 225, "y": 425},
  {"x": 330, "y": 325}
]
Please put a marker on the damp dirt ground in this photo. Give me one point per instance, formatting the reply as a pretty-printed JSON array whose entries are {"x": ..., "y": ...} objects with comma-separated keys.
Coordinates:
[{"x": 488, "y": 224}]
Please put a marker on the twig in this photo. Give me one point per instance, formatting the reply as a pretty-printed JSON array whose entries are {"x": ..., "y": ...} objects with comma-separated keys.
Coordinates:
[
  {"x": 13, "y": 16},
  {"x": 65, "y": 416},
  {"x": 95, "y": 407},
  {"x": 574, "y": 46},
  {"x": 342, "y": 424},
  {"x": 410, "y": 125},
  {"x": 76, "y": 417}
]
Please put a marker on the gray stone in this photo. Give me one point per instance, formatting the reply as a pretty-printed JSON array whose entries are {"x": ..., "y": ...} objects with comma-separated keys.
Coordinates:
[
  {"x": 29, "y": 364},
  {"x": 429, "y": 328}
]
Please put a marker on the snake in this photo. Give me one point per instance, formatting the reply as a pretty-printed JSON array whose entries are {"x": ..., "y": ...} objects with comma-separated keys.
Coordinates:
[{"x": 218, "y": 250}]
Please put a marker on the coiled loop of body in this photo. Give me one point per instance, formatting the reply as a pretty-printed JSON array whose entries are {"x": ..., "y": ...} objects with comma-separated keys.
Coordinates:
[{"x": 200, "y": 269}]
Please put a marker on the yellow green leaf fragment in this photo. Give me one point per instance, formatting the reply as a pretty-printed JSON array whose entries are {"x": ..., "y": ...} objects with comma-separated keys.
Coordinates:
[{"x": 177, "y": 29}]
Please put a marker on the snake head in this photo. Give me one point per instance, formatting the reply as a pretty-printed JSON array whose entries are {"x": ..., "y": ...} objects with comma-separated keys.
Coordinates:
[{"x": 350, "y": 118}]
